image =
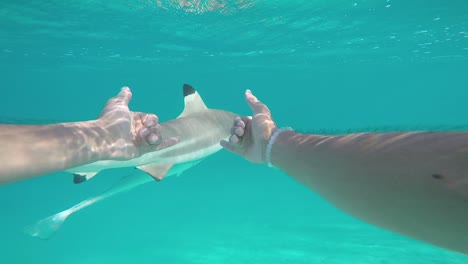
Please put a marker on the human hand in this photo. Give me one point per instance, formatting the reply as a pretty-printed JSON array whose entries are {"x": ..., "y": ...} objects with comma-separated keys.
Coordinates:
[
  {"x": 130, "y": 134},
  {"x": 250, "y": 135}
]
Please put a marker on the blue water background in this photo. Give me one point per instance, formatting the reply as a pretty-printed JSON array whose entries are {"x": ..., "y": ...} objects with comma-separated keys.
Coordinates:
[{"x": 319, "y": 65}]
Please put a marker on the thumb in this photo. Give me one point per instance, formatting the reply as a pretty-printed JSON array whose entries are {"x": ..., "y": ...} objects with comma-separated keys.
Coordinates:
[
  {"x": 115, "y": 103},
  {"x": 124, "y": 96},
  {"x": 255, "y": 105}
]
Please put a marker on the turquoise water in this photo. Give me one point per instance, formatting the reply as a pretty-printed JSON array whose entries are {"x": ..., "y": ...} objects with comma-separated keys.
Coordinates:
[{"x": 332, "y": 65}]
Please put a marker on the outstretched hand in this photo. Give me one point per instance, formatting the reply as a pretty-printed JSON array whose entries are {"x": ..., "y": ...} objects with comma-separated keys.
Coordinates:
[
  {"x": 250, "y": 134},
  {"x": 130, "y": 134}
]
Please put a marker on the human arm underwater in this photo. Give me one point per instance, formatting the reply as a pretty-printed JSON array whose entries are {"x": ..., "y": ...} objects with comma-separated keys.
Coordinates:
[
  {"x": 412, "y": 183},
  {"x": 27, "y": 151}
]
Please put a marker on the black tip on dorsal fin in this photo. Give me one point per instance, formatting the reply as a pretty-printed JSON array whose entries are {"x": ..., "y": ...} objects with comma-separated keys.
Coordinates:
[
  {"x": 77, "y": 178},
  {"x": 188, "y": 89}
]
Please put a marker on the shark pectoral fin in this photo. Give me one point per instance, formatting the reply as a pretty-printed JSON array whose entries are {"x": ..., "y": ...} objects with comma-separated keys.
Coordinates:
[
  {"x": 79, "y": 177},
  {"x": 157, "y": 171}
]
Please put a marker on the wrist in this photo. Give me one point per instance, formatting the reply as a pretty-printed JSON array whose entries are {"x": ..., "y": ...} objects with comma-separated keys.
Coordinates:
[
  {"x": 273, "y": 138},
  {"x": 98, "y": 140}
]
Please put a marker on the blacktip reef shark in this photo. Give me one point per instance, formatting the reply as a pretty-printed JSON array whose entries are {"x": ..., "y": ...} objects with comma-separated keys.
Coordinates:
[{"x": 199, "y": 130}]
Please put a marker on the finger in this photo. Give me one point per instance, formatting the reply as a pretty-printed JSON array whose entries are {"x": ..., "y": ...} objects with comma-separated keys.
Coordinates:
[
  {"x": 238, "y": 131},
  {"x": 234, "y": 139},
  {"x": 228, "y": 146},
  {"x": 254, "y": 104},
  {"x": 151, "y": 120},
  {"x": 241, "y": 126},
  {"x": 124, "y": 96},
  {"x": 153, "y": 139},
  {"x": 242, "y": 121},
  {"x": 168, "y": 143},
  {"x": 155, "y": 129},
  {"x": 144, "y": 132},
  {"x": 238, "y": 122}
]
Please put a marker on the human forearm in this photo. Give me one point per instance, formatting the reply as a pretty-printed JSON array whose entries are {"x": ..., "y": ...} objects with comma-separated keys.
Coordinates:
[
  {"x": 298, "y": 155},
  {"x": 118, "y": 134},
  {"x": 28, "y": 151},
  {"x": 412, "y": 183}
]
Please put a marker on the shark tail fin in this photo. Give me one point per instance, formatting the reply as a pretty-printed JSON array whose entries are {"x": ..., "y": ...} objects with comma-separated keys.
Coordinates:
[
  {"x": 46, "y": 228},
  {"x": 192, "y": 100}
]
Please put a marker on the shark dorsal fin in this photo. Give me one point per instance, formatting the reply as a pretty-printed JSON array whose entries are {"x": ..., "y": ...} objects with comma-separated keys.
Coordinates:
[{"x": 192, "y": 100}]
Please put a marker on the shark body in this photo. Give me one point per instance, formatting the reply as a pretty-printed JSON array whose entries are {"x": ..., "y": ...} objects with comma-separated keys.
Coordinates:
[{"x": 199, "y": 130}]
